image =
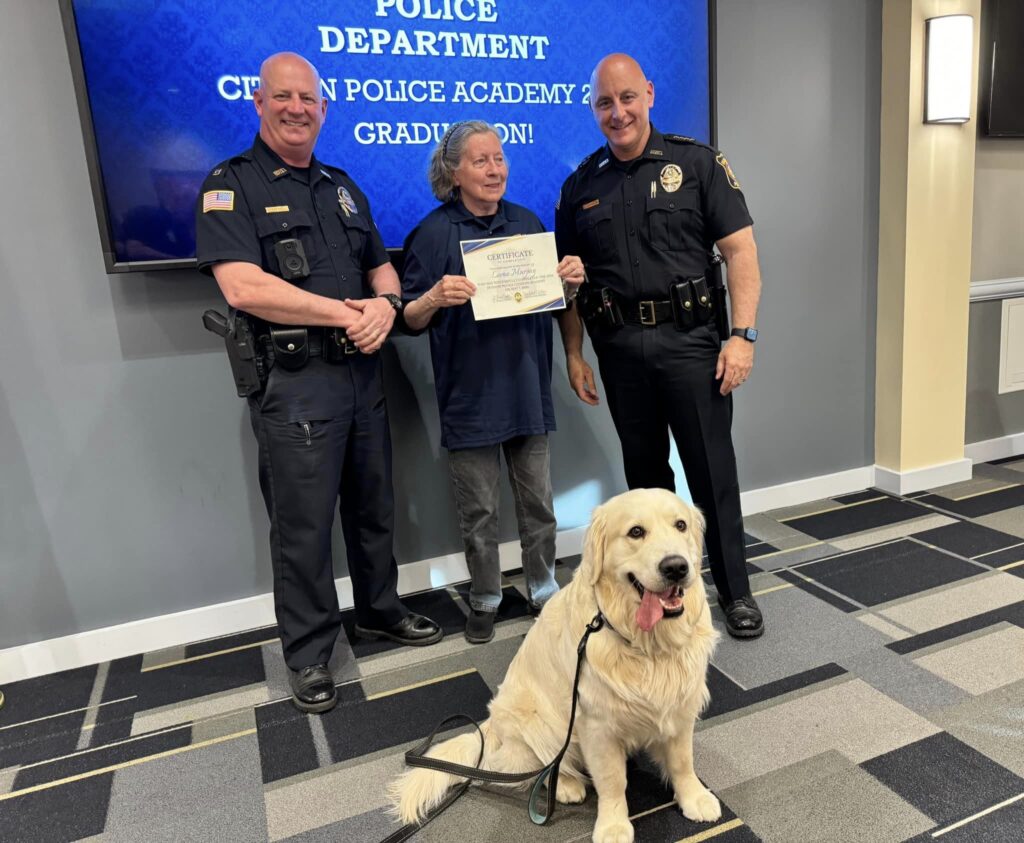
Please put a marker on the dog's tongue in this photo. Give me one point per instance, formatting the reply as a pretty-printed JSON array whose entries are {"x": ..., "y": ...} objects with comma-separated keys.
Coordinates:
[{"x": 651, "y": 610}]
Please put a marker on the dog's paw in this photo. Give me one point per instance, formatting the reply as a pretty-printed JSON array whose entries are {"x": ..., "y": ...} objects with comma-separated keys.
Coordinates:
[
  {"x": 700, "y": 804},
  {"x": 620, "y": 831},
  {"x": 570, "y": 791}
]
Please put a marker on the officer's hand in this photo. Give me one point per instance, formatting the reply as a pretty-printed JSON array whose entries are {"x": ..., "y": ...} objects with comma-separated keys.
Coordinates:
[
  {"x": 451, "y": 291},
  {"x": 570, "y": 270},
  {"x": 734, "y": 363},
  {"x": 373, "y": 325},
  {"x": 581, "y": 379}
]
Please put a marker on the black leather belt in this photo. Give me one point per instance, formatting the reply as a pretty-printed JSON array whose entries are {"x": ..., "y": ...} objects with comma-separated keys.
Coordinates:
[
  {"x": 646, "y": 312},
  {"x": 332, "y": 344}
]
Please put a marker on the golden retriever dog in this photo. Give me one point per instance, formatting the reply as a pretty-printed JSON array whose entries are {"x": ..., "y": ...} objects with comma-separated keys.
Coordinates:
[{"x": 643, "y": 681}]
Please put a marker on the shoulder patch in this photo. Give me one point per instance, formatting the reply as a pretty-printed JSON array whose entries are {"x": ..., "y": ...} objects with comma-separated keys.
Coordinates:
[
  {"x": 729, "y": 174},
  {"x": 218, "y": 200}
]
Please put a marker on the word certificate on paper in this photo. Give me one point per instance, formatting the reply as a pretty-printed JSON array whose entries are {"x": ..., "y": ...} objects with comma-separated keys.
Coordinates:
[{"x": 514, "y": 276}]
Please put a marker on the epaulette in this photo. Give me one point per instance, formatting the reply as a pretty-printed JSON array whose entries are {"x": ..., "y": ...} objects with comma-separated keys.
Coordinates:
[
  {"x": 222, "y": 167},
  {"x": 587, "y": 158},
  {"x": 334, "y": 169},
  {"x": 683, "y": 139}
]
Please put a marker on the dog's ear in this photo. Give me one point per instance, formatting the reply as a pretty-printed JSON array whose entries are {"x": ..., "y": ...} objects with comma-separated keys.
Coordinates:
[
  {"x": 697, "y": 521},
  {"x": 593, "y": 546}
]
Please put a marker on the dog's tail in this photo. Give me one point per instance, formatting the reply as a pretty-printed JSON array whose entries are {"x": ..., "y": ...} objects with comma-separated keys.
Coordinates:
[{"x": 417, "y": 791}]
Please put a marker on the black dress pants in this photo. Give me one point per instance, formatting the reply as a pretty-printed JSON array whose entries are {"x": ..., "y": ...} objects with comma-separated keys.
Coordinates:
[
  {"x": 330, "y": 446},
  {"x": 658, "y": 379}
]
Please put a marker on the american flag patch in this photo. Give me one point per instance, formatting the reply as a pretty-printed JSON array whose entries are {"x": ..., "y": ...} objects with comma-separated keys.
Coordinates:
[{"x": 218, "y": 200}]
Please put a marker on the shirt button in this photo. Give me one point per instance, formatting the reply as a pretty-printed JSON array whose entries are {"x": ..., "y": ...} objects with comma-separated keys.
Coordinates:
[
  {"x": 284, "y": 225},
  {"x": 671, "y": 204},
  {"x": 629, "y": 202},
  {"x": 334, "y": 245},
  {"x": 629, "y": 176},
  {"x": 632, "y": 232},
  {"x": 344, "y": 278},
  {"x": 636, "y": 262}
]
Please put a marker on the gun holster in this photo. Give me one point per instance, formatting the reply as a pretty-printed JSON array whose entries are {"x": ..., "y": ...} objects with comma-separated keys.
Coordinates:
[
  {"x": 291, "y": 347},
  {"x": 719, "y": 309},
  {"x": 599, "y": 306},
  {"x": 248, "y": 367}
]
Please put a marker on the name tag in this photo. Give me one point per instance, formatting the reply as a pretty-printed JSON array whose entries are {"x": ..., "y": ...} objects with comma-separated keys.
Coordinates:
[{"x": 276, "y": 209}]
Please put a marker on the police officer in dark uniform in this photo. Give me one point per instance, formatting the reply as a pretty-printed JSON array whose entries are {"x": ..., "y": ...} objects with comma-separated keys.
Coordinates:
[
  {"x": 644, "y": 212},
  {"x": 292, "y": 244}
]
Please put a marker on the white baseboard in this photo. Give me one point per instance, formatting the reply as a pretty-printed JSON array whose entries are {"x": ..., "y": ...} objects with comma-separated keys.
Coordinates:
[
  {"x": 996, "y": 449},
  {"x": 804, "y": 491},
  {"x": 174, "y": 630},
  {"x": 919, "y": 479}
]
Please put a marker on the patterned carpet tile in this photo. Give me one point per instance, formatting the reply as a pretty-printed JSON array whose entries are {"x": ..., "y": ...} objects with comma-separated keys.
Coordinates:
[
  {"x": 888, "y": 572},
  {"x": 944, "y": 778},
  {"x": 842, "y": 803},
  {"x": 984, "y": 503},
  {"x": 856, "y": 517},
  {"x": 882, "y": 703}
]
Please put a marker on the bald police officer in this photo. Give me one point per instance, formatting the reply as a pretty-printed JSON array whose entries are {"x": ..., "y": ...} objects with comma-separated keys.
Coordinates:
[
  {"x": 272, "y": 213},
  {"x": 644, "y": 212}
]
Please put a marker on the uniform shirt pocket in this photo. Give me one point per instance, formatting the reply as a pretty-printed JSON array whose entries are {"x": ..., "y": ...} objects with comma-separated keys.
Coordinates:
[
  {"x": 672, "y": 223},
  {"x": 357, "y": 231},
  {"x": 273, "y": 228},
  {"x": 594, "y": 227}
]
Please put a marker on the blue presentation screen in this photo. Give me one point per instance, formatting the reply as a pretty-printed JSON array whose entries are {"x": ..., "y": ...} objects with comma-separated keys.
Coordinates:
[{"x": 170, "y": 84}]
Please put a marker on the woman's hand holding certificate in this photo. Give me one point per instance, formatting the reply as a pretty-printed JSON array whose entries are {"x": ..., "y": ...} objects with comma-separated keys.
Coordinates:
[{"x": 514, "y": 276}]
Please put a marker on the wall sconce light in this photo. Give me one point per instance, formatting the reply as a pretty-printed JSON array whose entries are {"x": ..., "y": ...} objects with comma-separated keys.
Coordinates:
[{"x": 949, "y": 47}]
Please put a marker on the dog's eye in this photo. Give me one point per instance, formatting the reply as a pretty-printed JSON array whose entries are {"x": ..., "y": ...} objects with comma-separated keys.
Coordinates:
[
  {"x": 681, "y": 525},
  {"x": 637, "y": 532}
]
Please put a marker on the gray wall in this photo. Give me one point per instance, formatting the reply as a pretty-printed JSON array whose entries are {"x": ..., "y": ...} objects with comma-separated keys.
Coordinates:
[
  {"x": 798, "y": 108},
  {"x": 997, "y": 252},
  {"x": 128, "y": 488}
]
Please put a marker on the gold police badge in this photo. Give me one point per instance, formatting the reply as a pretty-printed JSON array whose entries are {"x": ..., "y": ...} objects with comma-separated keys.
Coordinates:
[
  {"x": 729, "y": 174},
  {"x": 671, "y": 178},
  {"x": 347, "y": 203}
]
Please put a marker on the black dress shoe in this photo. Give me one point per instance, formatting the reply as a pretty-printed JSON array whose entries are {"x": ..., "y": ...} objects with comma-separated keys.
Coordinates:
[
  {"x": 413, "y": 630},
  {"x": 479, "y": 626},
  {"x": 313, "y": 689},
  {"x": 743, "y": 617}
]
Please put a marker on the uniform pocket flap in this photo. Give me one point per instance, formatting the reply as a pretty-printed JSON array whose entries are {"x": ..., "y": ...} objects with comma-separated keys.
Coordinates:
[
  {"x": 282, "y": 223},
  {"x": 589, "y": 217},
  {"x": 672, "y": 202},
  {"x": 354, "y": 220}
]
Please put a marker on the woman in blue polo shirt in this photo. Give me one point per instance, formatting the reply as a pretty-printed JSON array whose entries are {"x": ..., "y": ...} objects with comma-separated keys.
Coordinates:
[{"x": 493, "y": 378}]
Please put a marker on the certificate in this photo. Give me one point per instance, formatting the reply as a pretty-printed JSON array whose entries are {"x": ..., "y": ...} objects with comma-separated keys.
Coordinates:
[{"x": 514, "y": 276}]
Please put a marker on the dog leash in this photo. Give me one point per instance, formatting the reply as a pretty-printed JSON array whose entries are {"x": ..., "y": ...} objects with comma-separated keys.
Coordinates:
[{"x": 417, "y": 757}]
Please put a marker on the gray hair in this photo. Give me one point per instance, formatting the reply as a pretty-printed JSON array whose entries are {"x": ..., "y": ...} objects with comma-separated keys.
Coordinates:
[{"x": 448, "y": 154}]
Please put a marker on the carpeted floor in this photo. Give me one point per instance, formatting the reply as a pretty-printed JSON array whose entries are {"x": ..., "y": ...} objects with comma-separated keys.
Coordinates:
[{"x": 885, "y": 702}]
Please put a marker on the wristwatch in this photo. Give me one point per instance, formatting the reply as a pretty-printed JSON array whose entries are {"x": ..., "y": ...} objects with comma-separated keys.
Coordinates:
[
  {"x": 395, "y": 301},
  {"x": 749, "y": 334}
]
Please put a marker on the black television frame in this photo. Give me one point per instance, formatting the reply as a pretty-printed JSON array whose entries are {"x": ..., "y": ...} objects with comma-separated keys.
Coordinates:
[{"x": 92, "y": 157}]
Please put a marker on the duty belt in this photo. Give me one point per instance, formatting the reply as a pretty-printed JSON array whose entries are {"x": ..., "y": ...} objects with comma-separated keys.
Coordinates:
[{"x": 292, "y": 347}]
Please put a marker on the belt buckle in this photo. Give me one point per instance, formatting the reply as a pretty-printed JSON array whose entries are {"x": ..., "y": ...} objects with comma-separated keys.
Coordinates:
[
  {"x": 647, "y": 316},
  {"x": 341, "y": 340}
]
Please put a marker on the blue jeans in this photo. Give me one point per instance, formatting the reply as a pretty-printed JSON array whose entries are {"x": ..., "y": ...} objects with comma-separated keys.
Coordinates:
[{"x": 475, "y": 473}]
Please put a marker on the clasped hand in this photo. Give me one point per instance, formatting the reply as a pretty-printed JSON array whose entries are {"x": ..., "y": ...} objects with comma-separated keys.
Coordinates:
[{"x": 372, "y": 325}]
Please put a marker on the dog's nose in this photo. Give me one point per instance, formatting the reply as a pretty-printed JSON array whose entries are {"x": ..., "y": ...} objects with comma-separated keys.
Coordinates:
[{"x": 674, "y": 568}]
